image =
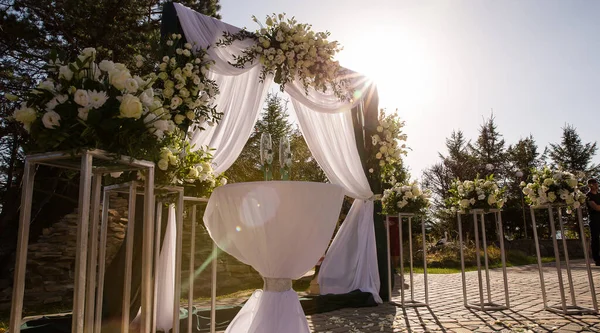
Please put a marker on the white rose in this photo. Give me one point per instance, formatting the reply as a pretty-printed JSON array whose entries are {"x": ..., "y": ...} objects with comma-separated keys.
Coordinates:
[
  {"x": 551, "y": 196},
  {"x": 51, "y": 104},
  {"x": 83, "y": 113},
  {"x": 51, "y": 119},
  {"x": 81, "y": 97},
  {"x": 378, "y": 156},
  {"x": 163, "y": 164},
  {"x": 168, "y": 92},
  {"x": 118, "y": 78},
  {"x": 572, "y": 182},
  {"x": 25, "y": 115},
  {"x": 106, "y": 65},
  {"x": 62, "y": 98},
  {"x": 65, "y": 73},
  {"x": 190, "y": 115},
  {"x": 162, "y": 125},
  {"x": 46, "y": 85},
  {"x": 223, "y": 181},
  {"x": 464, "y": 203},
  {"x": 179, "y": 119},
  {"x": 131, "y": 107},
  {"x": 193, "y": 173},
  {"x": 491, "y": 199},
  {"x": 131, "y": 85},
  {"x": 89, "y": 52}
]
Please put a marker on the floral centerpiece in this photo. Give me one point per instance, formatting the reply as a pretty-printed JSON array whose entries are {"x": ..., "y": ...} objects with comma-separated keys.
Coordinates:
[
  {"x": 179, "y": 165},
  {"x": 475, "y": 194},
  {"x": 405, "y": 198},
  {"x": 90, "y": 104},
  {"x": 554, "y": 187},
  {"x": 290, "y": 51},
  {"x": 182, "y": 87},
  {"x": 388, "y": 146}
]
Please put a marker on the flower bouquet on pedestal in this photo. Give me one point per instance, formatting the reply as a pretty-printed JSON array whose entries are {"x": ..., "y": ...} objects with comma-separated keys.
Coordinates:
[
  {"x": 405, "y": 198},
  {"x": 180, "y": 165},
  {"x": 553, "y": 187},
  {"x": 475, "y": 194},
  {"x": 90, "y": 104}
]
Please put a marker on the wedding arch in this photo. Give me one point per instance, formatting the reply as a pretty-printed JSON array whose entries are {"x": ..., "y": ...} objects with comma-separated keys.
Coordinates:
[{"x": 335, "y": 132}]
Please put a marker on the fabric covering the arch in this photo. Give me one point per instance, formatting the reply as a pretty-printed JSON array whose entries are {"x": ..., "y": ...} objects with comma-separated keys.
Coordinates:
[{"x": 326, "y": 124}]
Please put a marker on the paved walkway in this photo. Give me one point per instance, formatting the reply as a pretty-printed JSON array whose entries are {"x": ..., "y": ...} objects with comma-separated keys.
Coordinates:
[{"x": 447, "y": 313}]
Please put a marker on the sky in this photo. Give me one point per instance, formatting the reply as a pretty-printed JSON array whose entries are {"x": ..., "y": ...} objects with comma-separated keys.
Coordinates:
[{"x": 446, "y": 64}]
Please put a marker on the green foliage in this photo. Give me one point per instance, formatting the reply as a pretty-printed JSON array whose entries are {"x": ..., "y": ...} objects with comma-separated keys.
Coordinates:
[
  {"x": 274, "y": 120},
  {"x": 489, "y": 151},
  {"x": 574, "y": 156}
]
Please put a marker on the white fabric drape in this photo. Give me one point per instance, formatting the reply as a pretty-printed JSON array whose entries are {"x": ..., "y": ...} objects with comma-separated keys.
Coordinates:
[
  {"x": 330, "y": 138},
  {"x": 280, "y": 228},
  {"x": 328, "y": 132},
  {"x": 347, "y": 270},
  {"x": 165, "y": 280}
]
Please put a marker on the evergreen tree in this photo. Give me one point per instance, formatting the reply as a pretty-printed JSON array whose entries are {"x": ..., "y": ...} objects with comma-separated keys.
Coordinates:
[
  {"x": 489, "y": 151},
  {"x": 574, "y": 156},
  {"x": 522, "y": 158},
  {"x": 460, "y": 162},
  {"x": 274, "y": 120}
]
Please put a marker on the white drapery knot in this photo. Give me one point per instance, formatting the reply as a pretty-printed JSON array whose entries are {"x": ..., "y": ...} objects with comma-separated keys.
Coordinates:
[
  {"x": 374, "y": 197},
  {"x": 277, "y": 285}
]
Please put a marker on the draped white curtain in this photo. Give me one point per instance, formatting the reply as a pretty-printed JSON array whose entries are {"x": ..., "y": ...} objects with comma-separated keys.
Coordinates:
[
  {"x": 351, "y": 261},
  {"x": 326, "y": 124}
]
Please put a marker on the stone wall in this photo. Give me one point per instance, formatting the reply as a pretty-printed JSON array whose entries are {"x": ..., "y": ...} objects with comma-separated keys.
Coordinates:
[{"x": 51, "y": 261}]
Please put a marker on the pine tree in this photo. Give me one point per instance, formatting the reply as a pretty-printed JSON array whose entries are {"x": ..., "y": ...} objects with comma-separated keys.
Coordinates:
[
  {"x": 574, "y": 156},
  {"x": 489, "y": 151},
  {"x": 274, "y": 120},
  {"x": 522, "y": 158}
]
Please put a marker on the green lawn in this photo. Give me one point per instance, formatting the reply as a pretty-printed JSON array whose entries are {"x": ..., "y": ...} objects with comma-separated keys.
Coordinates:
[{"x": 510, "y": 262}]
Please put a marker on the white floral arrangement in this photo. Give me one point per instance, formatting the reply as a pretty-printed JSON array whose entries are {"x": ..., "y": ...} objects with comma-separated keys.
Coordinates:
[
  {"x": 182, "y": 87},
  {"x": 389, "y": 145},
  {"x": 90, "y": 104},
  {"x": 290, "y": 51},
  {"x": 405, "y": 198},
  {"x": 553, "y": 187},
  {"x": 475, "y": 194}
]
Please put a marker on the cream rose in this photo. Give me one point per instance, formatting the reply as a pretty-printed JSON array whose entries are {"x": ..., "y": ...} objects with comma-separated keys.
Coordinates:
[
  {"x": 131, "y": 107},
  {"x": 118, "y": 78}
]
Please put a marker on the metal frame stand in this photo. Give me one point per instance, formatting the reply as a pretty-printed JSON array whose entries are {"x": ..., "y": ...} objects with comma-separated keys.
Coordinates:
[
  {"x": 563, "y": 307},
  {"x": 92, "y": 164},
  {"x": 483, "y": 305},
  {"x": 412, "y": 302}
]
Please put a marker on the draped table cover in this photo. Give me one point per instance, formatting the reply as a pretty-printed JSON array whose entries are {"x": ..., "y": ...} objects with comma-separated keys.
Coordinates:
[{"x": 280, "y": 228}]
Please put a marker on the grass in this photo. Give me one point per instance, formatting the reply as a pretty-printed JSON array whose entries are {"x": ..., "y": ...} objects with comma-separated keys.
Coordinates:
[{"x": 448, "y": 262}]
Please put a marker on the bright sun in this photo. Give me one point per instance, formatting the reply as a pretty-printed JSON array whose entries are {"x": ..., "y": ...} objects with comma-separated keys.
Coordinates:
[{"x": 402, "y": 68}]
